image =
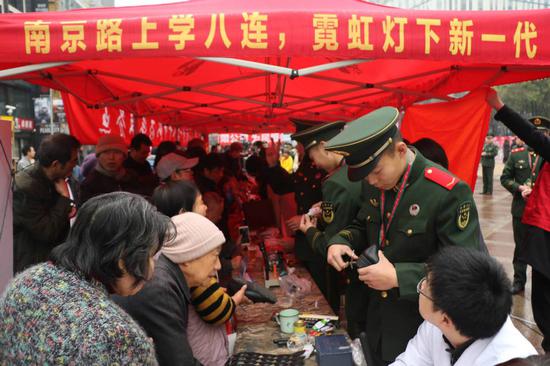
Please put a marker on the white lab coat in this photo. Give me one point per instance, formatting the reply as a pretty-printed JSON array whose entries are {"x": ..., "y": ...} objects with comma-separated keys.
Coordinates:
[{"x": 429, "y": 348}]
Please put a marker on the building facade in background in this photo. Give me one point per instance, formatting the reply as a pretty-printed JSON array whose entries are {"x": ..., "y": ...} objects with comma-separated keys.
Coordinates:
[{"x": 466, "y": 4}]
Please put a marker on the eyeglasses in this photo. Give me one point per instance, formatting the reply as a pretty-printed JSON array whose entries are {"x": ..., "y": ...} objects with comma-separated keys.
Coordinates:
[{"x": 419, "y": 287}]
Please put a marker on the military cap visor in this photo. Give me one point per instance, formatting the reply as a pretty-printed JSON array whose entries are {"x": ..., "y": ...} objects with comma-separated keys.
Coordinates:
[
  {"x": 303, "y": 124},
  {"x": 540, "y": 122},
  {"x": 364, "y": 140},
  {"x": 314, "y": 135}
]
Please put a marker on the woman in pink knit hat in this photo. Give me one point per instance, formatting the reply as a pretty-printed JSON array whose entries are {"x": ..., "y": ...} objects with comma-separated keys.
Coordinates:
[
  {"x": 211, "y": 307},
  {"x": 162, "y": 306}
]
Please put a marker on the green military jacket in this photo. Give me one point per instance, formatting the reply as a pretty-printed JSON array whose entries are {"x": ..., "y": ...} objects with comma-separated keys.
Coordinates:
[
  {"x": 341, "y": 202},
  {"x": 436, "y": 210},
  {"x": 491, "y": 150},
  {"x": 517, "y": 171}
]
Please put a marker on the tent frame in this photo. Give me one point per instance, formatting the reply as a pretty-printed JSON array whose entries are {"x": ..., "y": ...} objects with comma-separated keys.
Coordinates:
[{"x": 257, "y": 105}]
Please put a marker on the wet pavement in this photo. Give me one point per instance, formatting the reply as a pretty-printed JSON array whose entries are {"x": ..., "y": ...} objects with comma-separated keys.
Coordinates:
[{"x": 496, "y": 225}]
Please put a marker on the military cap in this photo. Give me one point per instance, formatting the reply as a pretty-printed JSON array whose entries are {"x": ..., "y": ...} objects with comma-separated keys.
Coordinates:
[
  {"x": 315, "y": 134},
  {"x": 541, "y": 123},
  {"x": 303, "y": 124},
  {"x": 364, "y": 140}
]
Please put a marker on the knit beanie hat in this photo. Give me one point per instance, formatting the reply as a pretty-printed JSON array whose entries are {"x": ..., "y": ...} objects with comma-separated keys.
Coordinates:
[
  {"x": 195, "y": 236},
  {"x": 110, "y": 142}
]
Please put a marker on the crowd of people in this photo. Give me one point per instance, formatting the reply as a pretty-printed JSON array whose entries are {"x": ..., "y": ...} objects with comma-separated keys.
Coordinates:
[{"x": 124, "y": 262}]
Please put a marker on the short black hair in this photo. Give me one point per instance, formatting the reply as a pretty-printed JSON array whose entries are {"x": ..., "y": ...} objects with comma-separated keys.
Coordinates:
[
  {"x": 25, "y": 150},
  {"x": 58, "y": 146},
  {"x": 140, "y": 139},
  {"x": 472, "y": 288},
  {"x": 212, "y": 161},
  {"x": 390, "y": 150},
  {"x": 173, "y": 196},
  {"x": 195, "y": 152},
  {"x": 112, "y": 227},
  {"x": 164, "y": 148},
  {"x": 432, "y": 151}
]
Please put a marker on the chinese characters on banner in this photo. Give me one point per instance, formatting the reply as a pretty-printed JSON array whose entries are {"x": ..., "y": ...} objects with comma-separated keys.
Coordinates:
[
  {"x": 465, "y": 36},
  {"x": 93, "y": 123}
]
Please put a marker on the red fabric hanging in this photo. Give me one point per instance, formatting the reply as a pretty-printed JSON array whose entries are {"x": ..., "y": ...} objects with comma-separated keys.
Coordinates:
[{"x": 459, "y": 127}]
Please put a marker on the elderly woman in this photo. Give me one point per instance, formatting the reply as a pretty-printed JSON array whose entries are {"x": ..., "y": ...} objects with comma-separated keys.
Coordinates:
[
  {"x": 174, "y": 198},
  {"x": 162, "y": 306},
  {"x": 210, "y": 306},
  {"x": 59, "y": 312}
]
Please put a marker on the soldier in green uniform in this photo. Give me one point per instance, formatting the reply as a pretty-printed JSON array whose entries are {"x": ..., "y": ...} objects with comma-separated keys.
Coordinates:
[
  {"x": 339, "y": 205},
  {"x": 519, "y": 174},
  {"x": 412, "y": 207},
  {"x": 490, "y": 150},
  {"x": 305, "y": 183}
]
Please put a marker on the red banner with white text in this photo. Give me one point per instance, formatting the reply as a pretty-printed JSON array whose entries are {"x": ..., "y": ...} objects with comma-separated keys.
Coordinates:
[{"x": 88, "y": 125}]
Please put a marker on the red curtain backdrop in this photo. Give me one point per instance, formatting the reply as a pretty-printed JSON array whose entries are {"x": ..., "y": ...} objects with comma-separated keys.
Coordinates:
[{"x": 459, "y": 127}]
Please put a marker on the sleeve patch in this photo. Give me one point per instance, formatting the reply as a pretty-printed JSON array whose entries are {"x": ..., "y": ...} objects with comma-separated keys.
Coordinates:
[{"x": 463, "y": 215}]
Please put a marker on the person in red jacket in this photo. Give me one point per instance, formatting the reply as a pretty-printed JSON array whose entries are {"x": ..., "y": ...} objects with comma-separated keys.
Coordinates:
[{"x": 536, "y": 216}]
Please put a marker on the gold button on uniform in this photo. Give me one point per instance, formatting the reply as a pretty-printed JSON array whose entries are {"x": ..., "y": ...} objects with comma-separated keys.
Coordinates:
[
  {"x": 409, "y": 232},
  {"x": 429, "y": 171},
  {"x": 348, "y": 281},
  {"x": 384, "y": 294},
  {"x": 386, "y": 242},
  {"x": 388, "y": 214}
]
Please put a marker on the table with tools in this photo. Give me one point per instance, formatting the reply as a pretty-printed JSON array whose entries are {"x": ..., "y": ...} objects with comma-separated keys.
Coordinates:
[{"x": 258, "y": 331}]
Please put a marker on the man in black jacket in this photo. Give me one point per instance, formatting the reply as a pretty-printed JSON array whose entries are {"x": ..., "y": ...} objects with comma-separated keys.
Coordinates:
[{"x": 42, "y": 206}]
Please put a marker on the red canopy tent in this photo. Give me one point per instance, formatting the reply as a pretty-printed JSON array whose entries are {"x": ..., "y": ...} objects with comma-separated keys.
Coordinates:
[{"x": 246, "y": 66}]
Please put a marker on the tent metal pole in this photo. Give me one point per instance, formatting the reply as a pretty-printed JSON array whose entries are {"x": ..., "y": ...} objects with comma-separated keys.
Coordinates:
[
  {"x": 29, "y": 68},
  {"x": 322, "y": 100},
  {"x": 232, "y": 97},
  {"x": 412, "y": 92},
  {"x": 179, "y": 88},
  {"x": 283, "y": 70},
  {"x": 327, "y": 95},
  {"x": 250, "y": 64},
  {"x": 330, "y": 66},
  {"x": 140, "y": 97},
  {"x": 64, "y": 88},
  {"x": 102, "y": 84}
]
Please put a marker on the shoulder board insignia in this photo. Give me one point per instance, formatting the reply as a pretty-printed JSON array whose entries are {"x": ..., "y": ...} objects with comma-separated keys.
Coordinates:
[
  {"x": 443, "y": 178},
  {"x": 518, "y": 149}
]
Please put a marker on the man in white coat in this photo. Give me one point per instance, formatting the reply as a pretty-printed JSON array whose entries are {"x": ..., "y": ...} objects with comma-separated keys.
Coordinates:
[{"x": 465, "y": 300}]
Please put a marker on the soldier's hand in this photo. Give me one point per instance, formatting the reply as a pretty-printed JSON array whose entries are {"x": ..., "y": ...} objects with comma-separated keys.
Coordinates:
[
  {"x": 381, "y": 276},
  {"x": 493, "y": 99},
  {"x": 317, "y": 205},
  {"x": 526, "y": 193},
  {"x": 335, "y": 254},
  {"x": 294, "y": 223},
  {"x": 307, "y": 222}
]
